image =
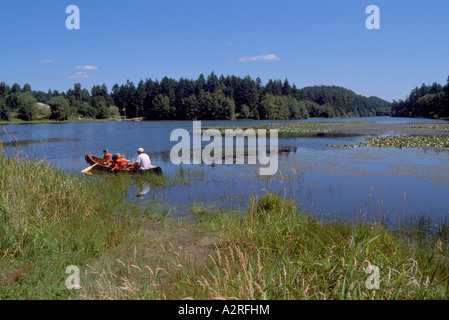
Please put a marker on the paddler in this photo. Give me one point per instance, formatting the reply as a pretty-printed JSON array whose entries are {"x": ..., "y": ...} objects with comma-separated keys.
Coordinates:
[
  {"x": 106, "y": 156},
  {"x": 119, "y": 162}
]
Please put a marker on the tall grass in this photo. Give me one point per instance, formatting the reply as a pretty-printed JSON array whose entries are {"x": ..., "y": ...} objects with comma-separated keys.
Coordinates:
[
  {"x": 276, "y": 252},
  {"x": 50, "y": 219}
]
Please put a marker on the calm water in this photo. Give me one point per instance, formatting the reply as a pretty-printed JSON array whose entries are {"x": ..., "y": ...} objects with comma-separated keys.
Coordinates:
[{"x": 357, "y": 183}]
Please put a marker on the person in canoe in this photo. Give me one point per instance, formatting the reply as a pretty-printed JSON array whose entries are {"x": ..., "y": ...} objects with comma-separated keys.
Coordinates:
[
  {"x": 143, "y": 161},
  {"x": 106, "y": 157},
  {"x": 119, "y": 162}
]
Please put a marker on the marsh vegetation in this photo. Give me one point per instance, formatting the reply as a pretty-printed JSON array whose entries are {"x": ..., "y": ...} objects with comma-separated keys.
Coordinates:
[{"x": 50, "y": 219}]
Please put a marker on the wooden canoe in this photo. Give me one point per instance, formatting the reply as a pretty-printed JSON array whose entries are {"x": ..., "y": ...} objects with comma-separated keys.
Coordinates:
[{"x": 91, "y": 160}]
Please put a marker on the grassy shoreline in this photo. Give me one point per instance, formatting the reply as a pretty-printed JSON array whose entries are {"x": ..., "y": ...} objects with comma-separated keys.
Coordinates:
[{"x": 50, "y": 220}]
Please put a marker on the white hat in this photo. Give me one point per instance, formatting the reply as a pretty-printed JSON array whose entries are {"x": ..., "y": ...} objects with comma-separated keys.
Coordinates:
[{"x": 140, "y": 150}]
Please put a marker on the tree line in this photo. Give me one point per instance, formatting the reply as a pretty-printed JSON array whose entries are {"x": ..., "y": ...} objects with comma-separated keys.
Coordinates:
[
  {"x": 28, "y": 105},
  {"x": 205, "y": 98},
  {"x": 427, "y": 101}
]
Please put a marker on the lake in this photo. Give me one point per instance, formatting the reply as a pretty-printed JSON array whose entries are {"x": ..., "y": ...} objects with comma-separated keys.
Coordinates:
[{"x": 366, "y": 183}]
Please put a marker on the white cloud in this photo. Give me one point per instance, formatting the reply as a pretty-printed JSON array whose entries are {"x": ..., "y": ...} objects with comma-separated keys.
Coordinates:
[
  {"x": 81, "y": 75},
  {"x": 46, "y": 61},
  {"x": 87, "y": 67},
  {"x": 267, "y": 57}
]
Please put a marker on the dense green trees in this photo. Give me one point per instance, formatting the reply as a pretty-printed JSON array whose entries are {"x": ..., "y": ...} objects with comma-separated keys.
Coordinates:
[
  {"x": 100, "y": 104},
  {"x": 75, "y": 103},
  {"x": 340, "y": 102},
  {"x": 162, "y": 108},
  {"x": 27, "y": 106},
  {"x": 60, "y": 108},
  {"x": 208, "y": 97},
  {"x": 231, "y": 97},
  {"x": 4, "y": 110},
  {"x": 273, "y": 107},
  {"x": 427, "y": 101},
  {"x": 445, "y": 100},
  {"x": 4, "y": 106}
]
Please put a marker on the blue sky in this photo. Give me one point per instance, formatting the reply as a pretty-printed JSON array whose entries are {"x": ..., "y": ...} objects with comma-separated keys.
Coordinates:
[{"x": 307, "y": 42}]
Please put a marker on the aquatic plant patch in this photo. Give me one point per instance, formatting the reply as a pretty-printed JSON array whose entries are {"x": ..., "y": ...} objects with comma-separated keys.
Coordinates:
[
  {"x": 298, "y": 127},
  {"x": 435, "y": 126},
  {"x": 439, "y": 142}
]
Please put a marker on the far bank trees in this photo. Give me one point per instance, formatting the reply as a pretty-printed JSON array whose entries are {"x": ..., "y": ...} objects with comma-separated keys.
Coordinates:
[{"x": 205, "y": 98}]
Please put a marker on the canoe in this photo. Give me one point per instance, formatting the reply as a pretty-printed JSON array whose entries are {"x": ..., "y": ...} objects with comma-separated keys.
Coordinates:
[{"x": 91, "y": 160}]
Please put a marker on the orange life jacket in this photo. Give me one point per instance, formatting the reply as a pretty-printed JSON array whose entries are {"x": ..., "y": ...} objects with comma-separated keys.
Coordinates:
[
  {"x": 107, "y": 157},
  {"x": 121, "y": 161}
]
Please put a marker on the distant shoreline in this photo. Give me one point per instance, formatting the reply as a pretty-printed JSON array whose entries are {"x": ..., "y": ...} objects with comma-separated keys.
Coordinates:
[{"x": 345, "y": 127}]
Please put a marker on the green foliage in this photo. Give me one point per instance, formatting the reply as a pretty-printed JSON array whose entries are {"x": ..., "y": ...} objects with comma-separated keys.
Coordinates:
[
  {"x": 189, "y": 107},
  {"x": 278, "y": 252},
  {"x": 41, "y": 96},
  {"x": 343, "y": 102},
  {"x": 113, "y": 110},
  {"x": 27, "y": 106},
  {"x": 60, "y": 108},
  {"x": 445, "y": 101},
  {"x": 100, "y": 105},
  {"x": 50, "y": 219},
  {"x": 425, "y": 101},
  {"x": 4, "y": 110},
  {"x": 223, "y": 107},
  {"x": 86, "y": 110},
  {"x": 162, "y": 108},
  {"x": 320, "y": 111},
  {"x": 26, "y": 88},
  {"x": 298, "y": 109},
  {"x": 282, "y": 107},
  {"x": 4, "y": 90},
  {"x": 208, "y": 98},
  {"x": 43, "y": 111},
  {"x": 274, "y": 108},
  {"x": 230, "y": 97},
  {"x": 12, "y": 100},
  {"x": 206, "y": 105}
]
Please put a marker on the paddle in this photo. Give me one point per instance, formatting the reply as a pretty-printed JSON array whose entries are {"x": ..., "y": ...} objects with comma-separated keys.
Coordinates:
[{"x": 88, "y": 169}]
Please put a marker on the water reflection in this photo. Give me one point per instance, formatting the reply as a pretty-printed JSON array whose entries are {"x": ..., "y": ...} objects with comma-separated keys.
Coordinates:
[{"x": 143, "y": 188}]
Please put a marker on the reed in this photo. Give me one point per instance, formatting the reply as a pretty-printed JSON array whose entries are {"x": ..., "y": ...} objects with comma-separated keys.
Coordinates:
[
  {"x": 287, "y": 254},
  {"x": 50, "y": 219},
  {"x": 276, "y": 252}
]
